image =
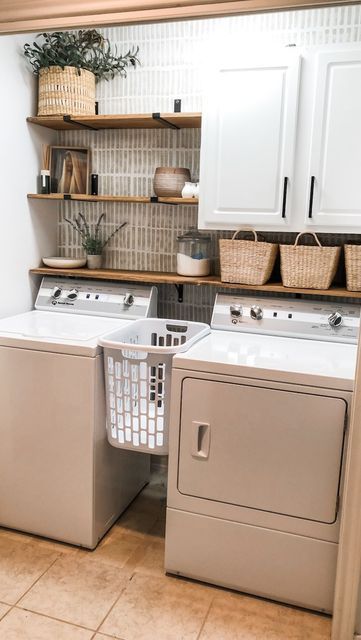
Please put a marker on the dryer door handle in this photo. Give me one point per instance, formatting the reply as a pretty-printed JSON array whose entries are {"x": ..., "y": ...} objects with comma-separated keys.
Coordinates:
[{"x": 201, "y": 440}]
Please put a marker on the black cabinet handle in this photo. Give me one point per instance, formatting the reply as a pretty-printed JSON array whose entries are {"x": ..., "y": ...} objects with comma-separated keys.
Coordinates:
[
  {"x": 284, "y": 197},
  {"x": 312, "y": 190}
]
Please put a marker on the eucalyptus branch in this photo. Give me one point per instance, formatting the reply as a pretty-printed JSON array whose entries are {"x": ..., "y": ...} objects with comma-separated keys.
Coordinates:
[
  {"x": 90, "y": 240},
  {"x": 84, "y": 49},
  {"x": 75, "y": 227},
  {"x": 97, "y": 226},
  {"x": 114, "y": 232}
]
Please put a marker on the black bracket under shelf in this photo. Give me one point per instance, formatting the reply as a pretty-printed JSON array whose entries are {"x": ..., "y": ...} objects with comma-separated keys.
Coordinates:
[
  {"x": 179, "y": 288},
  {"x": 166, "y": 123},
  {"x": 69, "y": 120},
  {"x": 155, "y": 200}
]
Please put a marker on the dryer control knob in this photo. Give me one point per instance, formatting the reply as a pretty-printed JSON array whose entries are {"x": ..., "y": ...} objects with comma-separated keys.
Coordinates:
[
  {"x": 256, "y": 312},
  {"x": 236, "y": 311},
  {"x": 56, "y": 293},
  {"x": 335, "y": 319},
  {"x": 128, "y": 299},
  {"x": 73, "y": 294}
]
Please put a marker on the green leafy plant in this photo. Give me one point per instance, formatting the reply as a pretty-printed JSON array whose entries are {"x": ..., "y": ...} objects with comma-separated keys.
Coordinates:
[
  {"x": 85, "y": 49},
  {"x": 91, "y": 239}
]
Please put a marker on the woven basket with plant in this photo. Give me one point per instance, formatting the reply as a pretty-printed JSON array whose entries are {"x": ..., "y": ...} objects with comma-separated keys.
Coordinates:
[{"x": 68, "y": 64}]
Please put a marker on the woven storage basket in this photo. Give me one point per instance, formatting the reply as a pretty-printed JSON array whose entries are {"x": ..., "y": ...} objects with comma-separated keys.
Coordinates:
[
  {"x": 308, "y": 267},
  {"x": 64, "y": 91},
  {"x": 353, "y": 267},
  {"x": 246, "y": 261}
]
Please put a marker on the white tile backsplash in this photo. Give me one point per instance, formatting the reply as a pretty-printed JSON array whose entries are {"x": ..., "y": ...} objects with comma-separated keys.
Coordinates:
[{"x": 174, "y": 58}]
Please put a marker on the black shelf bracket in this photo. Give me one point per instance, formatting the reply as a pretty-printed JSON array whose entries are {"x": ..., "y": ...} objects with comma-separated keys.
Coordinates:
[
  {"x": 166, "y": 123},
  {"x": 69, "y": 120},
  {"x": 155, "y": 200},
  {"x": 179, "y": 288}
]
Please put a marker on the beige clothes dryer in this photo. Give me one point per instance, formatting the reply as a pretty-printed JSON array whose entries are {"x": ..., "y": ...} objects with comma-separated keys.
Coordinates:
[
  {"x": 259, "y": 419},
  {"x": 59, "y": 477}
]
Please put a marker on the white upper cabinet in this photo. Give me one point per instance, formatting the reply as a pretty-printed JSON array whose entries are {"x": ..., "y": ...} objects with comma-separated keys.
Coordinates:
[
  {"x": 334, "y": 174},
  {"x": 249, "y": 123}
]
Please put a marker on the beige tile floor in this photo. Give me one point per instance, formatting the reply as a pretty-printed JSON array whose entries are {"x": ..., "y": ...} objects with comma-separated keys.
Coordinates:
[{"x": 52, "y": 591}]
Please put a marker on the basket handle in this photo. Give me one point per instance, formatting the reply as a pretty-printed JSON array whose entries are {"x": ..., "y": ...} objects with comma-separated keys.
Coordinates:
[
  {"x": 250, "y": 229},
  {"x": 305, "y": 233}
]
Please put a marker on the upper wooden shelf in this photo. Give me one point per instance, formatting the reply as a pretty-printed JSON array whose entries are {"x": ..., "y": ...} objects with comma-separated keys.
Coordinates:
[
  {"x": 123, "y": 121},
  {"x": 83, "y": 197},
  {"x": 156, "y": 277}
]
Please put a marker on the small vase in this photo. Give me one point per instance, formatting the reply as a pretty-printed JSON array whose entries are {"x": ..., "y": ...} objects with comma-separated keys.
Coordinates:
[
  {"x": 188, "y": 190},
  {"x": 94, "y": 262}
]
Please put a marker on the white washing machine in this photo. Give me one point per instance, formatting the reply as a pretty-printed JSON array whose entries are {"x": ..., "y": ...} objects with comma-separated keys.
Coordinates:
[
  {"x": 259, "y": 417},
  {"x": 59, "y": 477}
]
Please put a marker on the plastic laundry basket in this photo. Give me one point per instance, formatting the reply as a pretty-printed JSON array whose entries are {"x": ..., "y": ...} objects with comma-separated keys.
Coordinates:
[{"x": 138, "y": 366}]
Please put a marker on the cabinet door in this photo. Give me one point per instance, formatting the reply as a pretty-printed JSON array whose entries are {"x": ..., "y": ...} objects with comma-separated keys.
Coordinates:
[
  {"x": 335, "y": 159},
  {"x": 248, "y": 140}
]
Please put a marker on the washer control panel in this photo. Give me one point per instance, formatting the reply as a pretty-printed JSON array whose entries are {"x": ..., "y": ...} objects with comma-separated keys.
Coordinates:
[
  {"x": 90, "y": 297},
  {"x": 284, "y": 317}
]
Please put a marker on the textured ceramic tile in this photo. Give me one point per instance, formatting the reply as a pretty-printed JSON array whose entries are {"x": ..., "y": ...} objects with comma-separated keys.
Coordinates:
[
  {"x": 144, "y": 512},
  {"x": 162, "y": 608},
  {"x": 3, "y": 609},
  {"x": 21, "y": 564},
  {"x": 116, "y": 549},
  {"x": 24, "y": 625},
  {"x": 174, "y": 59},
  {"x": 77, "y": 590},
  {"x": 152, "y": 562},
  {"x": 243, "y": 618}
]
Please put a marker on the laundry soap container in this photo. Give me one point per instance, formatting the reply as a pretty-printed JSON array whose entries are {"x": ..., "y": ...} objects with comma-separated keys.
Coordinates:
[{"x": 193, "y": 254}]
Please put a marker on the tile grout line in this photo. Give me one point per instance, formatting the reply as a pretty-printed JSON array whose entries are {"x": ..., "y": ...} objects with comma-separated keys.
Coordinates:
[
  {"x": 205, "y": 618},
  {"x": 113, "y": 605},
  {"x": 36, "y": 581},
  {"x": 11, "y": 607},
  {"x": 48, "y": 617}
]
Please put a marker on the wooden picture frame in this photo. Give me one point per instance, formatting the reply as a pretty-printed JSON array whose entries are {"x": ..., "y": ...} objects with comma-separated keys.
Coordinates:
[{"x": 69, "y": 169}]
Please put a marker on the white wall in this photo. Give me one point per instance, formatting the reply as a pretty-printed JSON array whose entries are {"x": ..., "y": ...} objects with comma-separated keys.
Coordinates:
[{"x": 27, "y": 231}]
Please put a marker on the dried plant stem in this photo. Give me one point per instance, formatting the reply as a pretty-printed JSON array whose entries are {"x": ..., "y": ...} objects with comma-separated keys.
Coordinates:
[{"x": 45, "y": 157}]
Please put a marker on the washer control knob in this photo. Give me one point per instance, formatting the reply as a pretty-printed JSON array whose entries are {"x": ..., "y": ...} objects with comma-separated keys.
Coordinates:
[
  {"x": 73, "y": 294},
  {"x": 335, "y": 319},
  {"x": 128, "y": 299},
  {"x": 256, "y": 312},
  {"x": 56, "y": 293},
  {"x": 236, "y": 312}
]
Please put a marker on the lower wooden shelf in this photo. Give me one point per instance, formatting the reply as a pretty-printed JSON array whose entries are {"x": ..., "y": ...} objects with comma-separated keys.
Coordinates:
[
  {"x": 84, "y": 197},
  {"x": 156, "y": 277}
]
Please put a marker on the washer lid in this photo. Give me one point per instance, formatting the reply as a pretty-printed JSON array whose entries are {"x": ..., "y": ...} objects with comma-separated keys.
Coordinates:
[
  {"x": 273, "y": 358},
  {"x": 60, "y": 333}
]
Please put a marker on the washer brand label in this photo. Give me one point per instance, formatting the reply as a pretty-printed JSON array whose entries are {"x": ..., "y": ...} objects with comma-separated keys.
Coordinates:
[{"x": 67, "y": 304}]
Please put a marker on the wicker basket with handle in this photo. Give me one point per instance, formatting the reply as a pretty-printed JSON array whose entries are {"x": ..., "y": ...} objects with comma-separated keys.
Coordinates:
[
  {"x": 66, "y": 91},
  {"x": 353, "y": 267},
  {"x": 246, "y": 261},
  {"x": 308, "y": 267}
]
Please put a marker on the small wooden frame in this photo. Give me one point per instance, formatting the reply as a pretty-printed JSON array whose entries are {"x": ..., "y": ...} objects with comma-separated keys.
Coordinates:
[{"x": 69, "y": 169}]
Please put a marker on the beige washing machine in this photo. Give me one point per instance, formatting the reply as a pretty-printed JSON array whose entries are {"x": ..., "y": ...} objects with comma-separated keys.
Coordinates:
[
  {"x": 259, "y": 417},
  {"x": 59, "y": 476}
]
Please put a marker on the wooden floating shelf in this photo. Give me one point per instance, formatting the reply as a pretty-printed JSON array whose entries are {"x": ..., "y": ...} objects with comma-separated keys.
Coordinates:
[
  {"x": 156, "y": 277},
  {"x": 123, "y": 121},
  {"x": 83, "y": 197}
]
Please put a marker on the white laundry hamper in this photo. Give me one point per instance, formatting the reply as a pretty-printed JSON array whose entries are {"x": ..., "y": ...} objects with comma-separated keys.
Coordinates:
[{"x": 138, "y": 368}]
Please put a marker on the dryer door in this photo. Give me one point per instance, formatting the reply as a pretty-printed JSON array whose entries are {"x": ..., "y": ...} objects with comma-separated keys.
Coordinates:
[{"x": 273, "y": 450}]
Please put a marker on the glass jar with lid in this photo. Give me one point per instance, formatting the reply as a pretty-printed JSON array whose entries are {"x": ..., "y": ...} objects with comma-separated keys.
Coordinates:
[{"x": 193, "y": 254}]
